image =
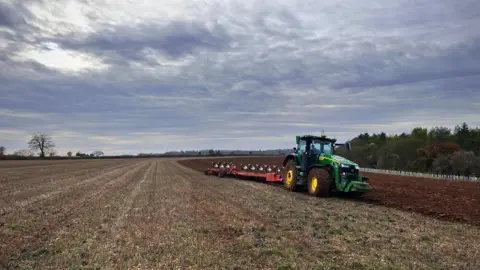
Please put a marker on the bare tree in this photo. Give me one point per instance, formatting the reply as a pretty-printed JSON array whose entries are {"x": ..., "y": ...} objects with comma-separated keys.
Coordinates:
[
  {"x": 41, "y": 142},
  {"x": 23, "y": 153},
  {"x": 52, "y": 153},
  {"x": 97, "y": 153},
  {"x": 69, "y": 153},
  {"x": 2, "y": 150}
]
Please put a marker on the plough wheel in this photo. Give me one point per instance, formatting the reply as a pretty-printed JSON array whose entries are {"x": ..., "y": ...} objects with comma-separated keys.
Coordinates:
[
  {"x": 290, "y": 176},
  {"x": 319, "y": 182}
]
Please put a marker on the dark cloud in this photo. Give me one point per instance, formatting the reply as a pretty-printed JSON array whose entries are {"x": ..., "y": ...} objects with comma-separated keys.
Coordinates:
[
  {"x": 175, "y": 39},
  {"x": 14, "y": 15},
  {"x": 17, "y": 71}
]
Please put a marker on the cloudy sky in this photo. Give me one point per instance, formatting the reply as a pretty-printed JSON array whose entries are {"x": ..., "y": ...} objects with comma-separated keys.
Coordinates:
[{"x": 151, "y": 76}]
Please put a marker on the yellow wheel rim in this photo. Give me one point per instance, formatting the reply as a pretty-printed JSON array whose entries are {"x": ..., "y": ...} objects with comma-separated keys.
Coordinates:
[
  {"x": 289, "y": 177},
  {"x": 314, "y": 183}
]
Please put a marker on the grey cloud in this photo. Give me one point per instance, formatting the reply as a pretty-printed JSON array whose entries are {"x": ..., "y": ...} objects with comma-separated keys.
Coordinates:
[
  {"x": 13, "y": 15},
  {"x": 175, "y": 39},
  {"x": 14, "y": 71},
  {"x": 456, "y": 61}
]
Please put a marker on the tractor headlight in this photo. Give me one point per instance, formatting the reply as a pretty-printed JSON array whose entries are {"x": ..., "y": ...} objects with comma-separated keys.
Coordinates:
[{"x": 345, "y": 166}]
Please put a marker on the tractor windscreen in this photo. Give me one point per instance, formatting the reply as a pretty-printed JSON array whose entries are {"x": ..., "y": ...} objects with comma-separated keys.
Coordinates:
[{"x": 321, "y": 146}]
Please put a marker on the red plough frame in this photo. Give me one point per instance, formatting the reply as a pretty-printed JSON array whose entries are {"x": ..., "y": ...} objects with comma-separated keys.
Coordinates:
[{"x": 263, "y": 172}]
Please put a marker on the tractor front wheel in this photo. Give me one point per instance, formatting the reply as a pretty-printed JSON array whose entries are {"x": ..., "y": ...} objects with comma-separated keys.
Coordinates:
[
  {"x": 319, "y": 182},
  {"x": 290, "y": 176}
]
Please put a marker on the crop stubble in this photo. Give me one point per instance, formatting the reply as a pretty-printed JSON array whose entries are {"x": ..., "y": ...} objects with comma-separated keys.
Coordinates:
[{"x": 160, "y": 214}]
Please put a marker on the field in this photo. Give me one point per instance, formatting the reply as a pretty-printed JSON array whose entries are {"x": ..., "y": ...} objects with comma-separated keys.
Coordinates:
[{"x": 160, "y": 214}]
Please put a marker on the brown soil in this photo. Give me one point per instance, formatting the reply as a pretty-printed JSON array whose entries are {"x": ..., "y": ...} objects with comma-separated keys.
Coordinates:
[
  {"x": 442, "y": 199},
  {"x": 158, "y": 214}
]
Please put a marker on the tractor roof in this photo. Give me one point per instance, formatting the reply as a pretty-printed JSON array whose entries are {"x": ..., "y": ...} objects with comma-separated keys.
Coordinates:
[{"x": 322, "y": 137}]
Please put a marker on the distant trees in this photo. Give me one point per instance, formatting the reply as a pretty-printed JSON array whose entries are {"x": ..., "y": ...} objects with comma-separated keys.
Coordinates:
[
  {"x": 212, "y": 152},
  {"x": 24, "y": 153},
  {"x": 80, "y": 154},
  {"x": 93, "y": 154},
  {"x": 41, "y": 142},
  {"x": 51, "y": 153},
  {"x": 97, "y": 153},
  {"x": 44, "y": 144},
  {"x": 438, "y": 150}
]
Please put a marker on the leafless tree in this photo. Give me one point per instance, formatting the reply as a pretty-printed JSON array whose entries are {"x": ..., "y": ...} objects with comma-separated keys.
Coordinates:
[
  {"x": 2, "y": 150},
  {"x": 23, "y": 153},
  {"x": 52, "y": 153},
  {"x": 42, "y": 142},
  {"x": 69, "y": 153},
  {"x": 98, "y": 153}
]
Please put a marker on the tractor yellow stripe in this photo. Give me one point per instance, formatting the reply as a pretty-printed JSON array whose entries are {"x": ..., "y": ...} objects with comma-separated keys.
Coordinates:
[{"x": 322, "y": 158}]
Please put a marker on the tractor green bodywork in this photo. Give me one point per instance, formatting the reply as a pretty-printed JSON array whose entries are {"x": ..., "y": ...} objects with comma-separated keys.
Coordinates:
[{"x": 319, "y": 152}]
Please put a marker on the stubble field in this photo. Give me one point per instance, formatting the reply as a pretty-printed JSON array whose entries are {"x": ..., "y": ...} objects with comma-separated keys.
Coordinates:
[{"x": 160, "y": 214}]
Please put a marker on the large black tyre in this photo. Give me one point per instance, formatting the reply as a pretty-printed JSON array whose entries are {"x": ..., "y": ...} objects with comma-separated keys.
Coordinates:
[
  {"x": 319, "y": 182},
  {"x": 290, "y": 175}
]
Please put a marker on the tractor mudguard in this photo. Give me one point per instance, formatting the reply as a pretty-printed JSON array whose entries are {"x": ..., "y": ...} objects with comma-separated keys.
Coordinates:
[{"x": 291, "y": 156}]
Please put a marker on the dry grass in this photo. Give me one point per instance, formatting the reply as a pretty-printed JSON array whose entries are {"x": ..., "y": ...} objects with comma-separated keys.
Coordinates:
[{"x": 158, "y": 214}]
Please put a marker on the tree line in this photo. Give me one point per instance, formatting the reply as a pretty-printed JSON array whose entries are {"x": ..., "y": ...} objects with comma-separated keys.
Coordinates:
[
  {"x": 42, "y": 144},
  {"x": 439, "y": 150}
]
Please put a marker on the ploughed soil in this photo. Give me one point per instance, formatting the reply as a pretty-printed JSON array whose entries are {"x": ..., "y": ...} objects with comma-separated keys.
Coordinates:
[
  {"x": 158, "y": 214},
  {"x": 442, "y": 199}
]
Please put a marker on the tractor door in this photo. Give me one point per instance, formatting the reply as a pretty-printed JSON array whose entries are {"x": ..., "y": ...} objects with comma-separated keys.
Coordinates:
[
  {"x": 313, "y": 150},
  {"x": 302, "y": 150}
]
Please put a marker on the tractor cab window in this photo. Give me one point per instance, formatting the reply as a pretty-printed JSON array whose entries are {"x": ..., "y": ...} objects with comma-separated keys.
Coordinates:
[
  {"x": 302, "y": 145},
  {"x": 327, "y": 148},
  {"x": 319, "y": 147}
]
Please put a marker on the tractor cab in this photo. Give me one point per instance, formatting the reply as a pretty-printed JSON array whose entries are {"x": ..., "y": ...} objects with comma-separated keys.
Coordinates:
[
  {"x": 315, "y": 144},
  {"x": 310, "y": 148}
]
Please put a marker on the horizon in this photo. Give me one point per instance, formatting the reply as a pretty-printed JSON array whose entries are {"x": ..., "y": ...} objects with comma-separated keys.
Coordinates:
[{"x": 149, "y": 77}]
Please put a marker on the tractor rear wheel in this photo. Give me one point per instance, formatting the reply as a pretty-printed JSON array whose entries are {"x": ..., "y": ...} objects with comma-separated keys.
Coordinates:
[
  {"x": 290, "y": 176},
  {"x": 319, "y": 182}
]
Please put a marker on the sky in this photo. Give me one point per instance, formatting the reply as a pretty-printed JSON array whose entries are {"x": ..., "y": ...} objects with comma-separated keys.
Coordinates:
[{"x": 151, "y": 76}]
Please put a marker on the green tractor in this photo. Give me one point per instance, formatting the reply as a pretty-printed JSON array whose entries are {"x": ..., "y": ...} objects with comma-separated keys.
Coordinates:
[{"x": 314, "y": 165}]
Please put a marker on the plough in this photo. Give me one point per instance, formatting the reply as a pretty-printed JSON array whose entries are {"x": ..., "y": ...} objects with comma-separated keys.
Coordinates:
[
  {"x": 313, "y": 164},
  {"x": 269, "y": 173}
]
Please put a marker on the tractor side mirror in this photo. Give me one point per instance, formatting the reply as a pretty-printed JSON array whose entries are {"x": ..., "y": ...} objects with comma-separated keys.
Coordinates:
[
  {"x": 294, "y": 149},
  {"x": 349, "y": 146}
]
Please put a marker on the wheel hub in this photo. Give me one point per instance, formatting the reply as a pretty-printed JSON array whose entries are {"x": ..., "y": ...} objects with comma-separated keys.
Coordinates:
[
  {"x": 289, "y": 177},
  {"x": 314, "y": 183}
]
